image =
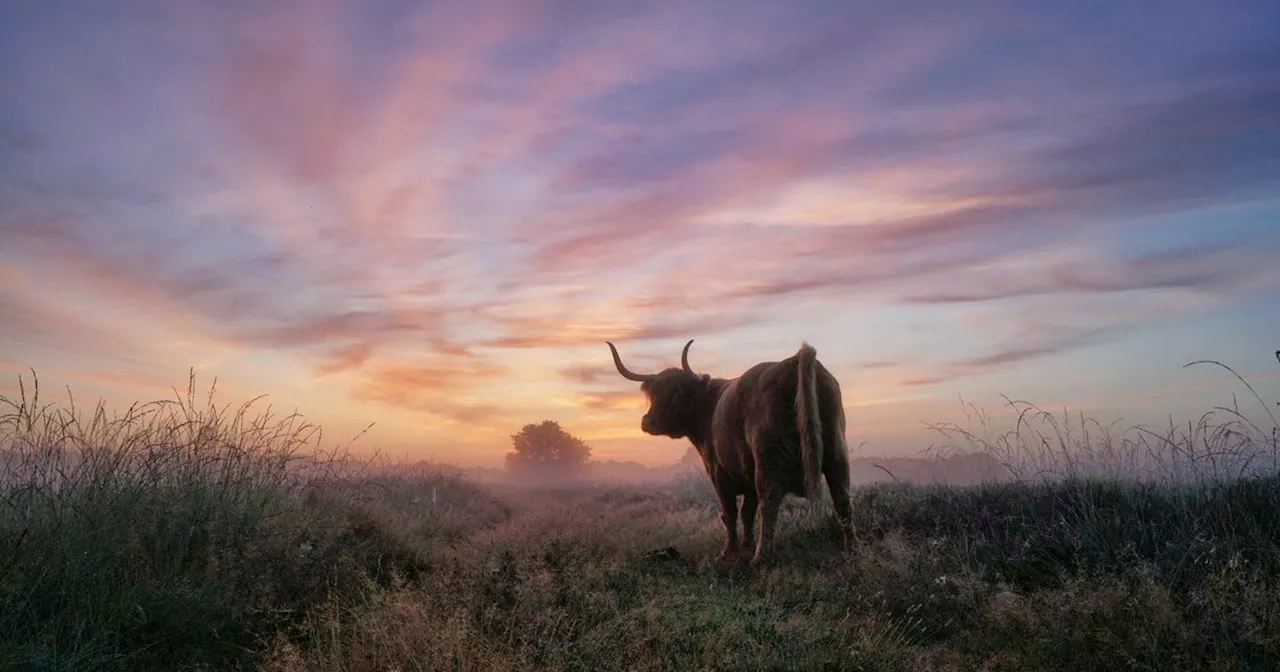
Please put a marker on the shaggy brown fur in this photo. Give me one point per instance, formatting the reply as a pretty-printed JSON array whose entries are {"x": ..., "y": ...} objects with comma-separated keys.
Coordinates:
[{"x": 773, "y": 431}]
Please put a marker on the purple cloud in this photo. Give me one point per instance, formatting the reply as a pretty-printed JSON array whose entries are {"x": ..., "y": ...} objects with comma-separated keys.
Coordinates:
[{"x": 407, "y": 195}]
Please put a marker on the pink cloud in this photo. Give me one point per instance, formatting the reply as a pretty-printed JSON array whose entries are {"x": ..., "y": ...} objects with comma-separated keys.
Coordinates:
[
  {"x": 412, "y": 197},
  {"x": 439, "y": 387}
]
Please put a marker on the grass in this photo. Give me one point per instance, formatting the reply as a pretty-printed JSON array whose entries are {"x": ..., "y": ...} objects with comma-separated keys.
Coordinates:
[
  {"x": 186, "y": 535},
  {"x": 1224, "y": 443},
  {"x": 181, "y": 534}
]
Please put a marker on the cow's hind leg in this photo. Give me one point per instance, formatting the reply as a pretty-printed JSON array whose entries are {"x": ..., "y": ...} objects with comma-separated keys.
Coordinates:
[
  {"x": 770, "y": 502},
  {"x": 749, "y": 504},
  {"x": 837, "y": 476},
  {"x": 728, "y": 516}
]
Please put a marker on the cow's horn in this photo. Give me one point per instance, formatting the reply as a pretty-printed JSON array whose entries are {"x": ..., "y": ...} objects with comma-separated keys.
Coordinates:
[
  {"x": 628, "y": 373},
  {"x": 684, "y": 356}
]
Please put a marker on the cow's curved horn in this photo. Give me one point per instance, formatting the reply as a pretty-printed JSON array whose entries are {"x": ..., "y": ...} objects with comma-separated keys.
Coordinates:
[
  {"x": 628, "y": 373},
  {"x": 684, "y": 356}
]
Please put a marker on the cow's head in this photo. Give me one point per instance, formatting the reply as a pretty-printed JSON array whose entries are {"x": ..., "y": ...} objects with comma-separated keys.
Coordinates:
[{"x": 674, "y": 395}]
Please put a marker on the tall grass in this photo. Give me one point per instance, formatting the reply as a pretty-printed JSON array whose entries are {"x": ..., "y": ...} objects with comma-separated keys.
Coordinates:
[
  {"x": 1223, "y": 444},
  {"x": 177, "y": 533}
]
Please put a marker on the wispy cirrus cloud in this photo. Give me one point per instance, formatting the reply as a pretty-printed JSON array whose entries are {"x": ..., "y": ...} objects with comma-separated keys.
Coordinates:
[
  {"x": 1211, "y": 269},
  {"x": 419, "y": 203},
  {"x": 585, "y": 373},
  {"x": 438, "y": 388},
  {"x": 1010, "y": 353},
  {"x": 620, "y": 400}
]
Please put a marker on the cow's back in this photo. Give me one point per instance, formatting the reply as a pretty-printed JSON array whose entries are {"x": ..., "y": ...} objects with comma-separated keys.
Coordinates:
[{"x": 760, "y": 407}]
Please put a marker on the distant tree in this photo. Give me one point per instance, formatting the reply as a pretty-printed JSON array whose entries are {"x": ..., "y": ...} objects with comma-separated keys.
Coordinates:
[{"x": 546, "y": 449}]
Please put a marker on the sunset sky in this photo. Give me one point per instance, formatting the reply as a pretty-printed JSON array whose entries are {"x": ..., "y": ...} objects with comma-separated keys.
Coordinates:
[{"x": 430, "y": 216}]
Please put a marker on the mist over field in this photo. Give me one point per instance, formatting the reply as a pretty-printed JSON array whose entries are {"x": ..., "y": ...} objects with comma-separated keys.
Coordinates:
[{"x": 188, "y": 534}]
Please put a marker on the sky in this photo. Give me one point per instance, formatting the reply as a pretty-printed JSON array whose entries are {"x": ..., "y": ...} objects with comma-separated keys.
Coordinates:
[{"x": 431, "y": 216}]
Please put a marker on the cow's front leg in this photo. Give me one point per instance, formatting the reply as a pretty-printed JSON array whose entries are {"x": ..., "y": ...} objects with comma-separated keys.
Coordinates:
[
  {"x": 749, "y": 505},
  {"x": 728, "y": 516}
]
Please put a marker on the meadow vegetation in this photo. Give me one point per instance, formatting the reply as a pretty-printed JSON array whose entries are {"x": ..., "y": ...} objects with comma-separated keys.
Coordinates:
[{"x": 185, "y": 535}]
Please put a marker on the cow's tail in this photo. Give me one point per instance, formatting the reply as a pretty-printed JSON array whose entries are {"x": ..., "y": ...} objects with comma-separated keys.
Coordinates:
[{"x": 809, "y": 420}]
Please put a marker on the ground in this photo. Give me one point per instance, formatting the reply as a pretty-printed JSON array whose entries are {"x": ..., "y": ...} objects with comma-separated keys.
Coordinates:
[{"x": 202, "y": 540}]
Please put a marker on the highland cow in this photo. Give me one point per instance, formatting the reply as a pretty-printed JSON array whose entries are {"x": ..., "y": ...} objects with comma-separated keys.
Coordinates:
[{"x": 775, "y": 430}]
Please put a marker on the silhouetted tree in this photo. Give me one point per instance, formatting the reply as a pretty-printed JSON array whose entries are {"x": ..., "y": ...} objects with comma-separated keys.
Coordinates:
[{"x": 547, "y": 449}]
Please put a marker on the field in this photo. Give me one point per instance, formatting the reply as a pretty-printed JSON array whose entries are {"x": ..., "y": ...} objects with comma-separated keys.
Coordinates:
[{"x": 186, "y": 535}]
